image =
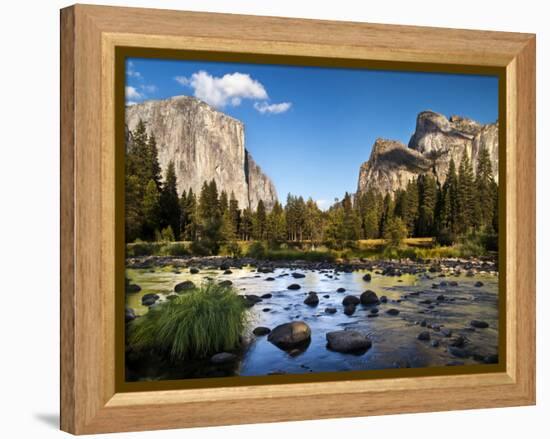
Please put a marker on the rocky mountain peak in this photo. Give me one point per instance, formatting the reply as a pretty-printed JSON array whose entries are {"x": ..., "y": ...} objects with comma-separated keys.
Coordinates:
[
  {"x": 437, "y": 139},
  {"x": 204, "y": 144}
]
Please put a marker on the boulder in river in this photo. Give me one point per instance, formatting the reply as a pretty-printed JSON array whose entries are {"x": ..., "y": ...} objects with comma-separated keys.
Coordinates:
[
  {"x": 330, "y": 310},
  {"x": 250, "y": 300},
  {"x": 312, "y": 299},
  {"x": 348, "y": 341},
  {"x": 298, "y": 275},
  {"x": 133, "y": 288},
  {"x": 266, "y": 296},
  {"x": 193, "y": 270},
  {"x": 129, "y": 315},
  {"x": 367, "y": 277},
  {"x": 227, "y": 272},
  {"x": 349, "y": 309},
  {"x": 383, "y": 299},
  {"x": 290, "y": 335},
  {"x": 351, "y": 300},
  {"x": 225, "y": 283},
  {"x": 369, "y": 298},
  {"x": 270, "y": 279},
  {"x": 293, "y": 287},
  {"x": 341, "y": 290},
  {"x": 223, "y": 358},
  {"x": 186, "y": 285},
  {"x": 261, "y": 330},
  {"x": 149, "y": 299},
  {"x": 478, "y": 284},
  {"x": 392, "y": 312},
  {"x": 479, "y": 324},
  {"x": 424, "y": 336}
]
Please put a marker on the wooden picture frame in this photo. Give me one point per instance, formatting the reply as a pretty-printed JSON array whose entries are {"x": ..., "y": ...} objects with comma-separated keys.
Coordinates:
[{"x": 91, "y": 402}]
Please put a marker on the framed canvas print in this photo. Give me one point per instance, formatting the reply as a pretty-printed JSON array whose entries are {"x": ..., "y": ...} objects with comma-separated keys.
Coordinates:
[{"x": 295, "y": 218}]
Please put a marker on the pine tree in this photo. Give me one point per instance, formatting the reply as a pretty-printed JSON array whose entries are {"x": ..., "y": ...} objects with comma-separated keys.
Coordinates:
[
  {"x": 465, "y": 196},
  {"x": 234, "y": 213},
  {"x": 276, "y": 224},
  {"x": 427, "y": 194},
  {"x": 169, "y": 202},
  {"x": 224, "y": 202},
  {"x": 259, "y": 221},
  {"x": 210, "y": 217},
  {"x": 132, "y": 207},
  {"x": 151, "y": 163},
  {"x": 387, "y": 213},
  {"x": 484, "y": 180},
  {"x": 189, "y": 216},
  {"x": 151, "y": 210},
  {"x": 246, "y": 224},
  {"x": 411, "y": 209},
  {"x": 351, "y": 220}
]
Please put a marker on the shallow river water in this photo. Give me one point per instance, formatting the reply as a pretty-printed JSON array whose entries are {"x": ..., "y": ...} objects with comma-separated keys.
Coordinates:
[{"x": 394, "y": 337}]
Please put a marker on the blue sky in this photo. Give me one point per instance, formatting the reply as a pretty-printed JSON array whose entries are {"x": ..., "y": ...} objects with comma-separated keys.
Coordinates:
[{"x": 311, "y": 128}]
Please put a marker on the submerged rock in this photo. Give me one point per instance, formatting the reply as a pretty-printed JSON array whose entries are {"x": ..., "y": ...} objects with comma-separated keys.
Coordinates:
[
  {"x": 392, "y": 311},
  {"x": 330, "y": 310},
  {"x": 261, "y": 330},
  {"x": 193, "y": 270},
  {"x": 369, "y": 298},
  {"x": 479, "y": 324},
  {"x": 349, "y": 309},
  {"x": 184, "y": 286},
  {"x": 294, "y": 287},
  {"x": 348, "y": 341},
  {"x": 223, "y": 358},
  {"x": 351, "y": 300},
  {"x": 133, "y": 288},
  {"x": 424, "y": 336},
  {"x": 312, "y": 299},
  {"x": 298, "y": 275},
  {"x": 290, "y": 335},
  {"x": 225, "y": 283}
]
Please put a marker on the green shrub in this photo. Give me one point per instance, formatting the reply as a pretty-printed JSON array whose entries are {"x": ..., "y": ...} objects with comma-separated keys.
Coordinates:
[
  {"x": 395, "y": 232},
  {"x": 168, "y": 234},
  {"x": 175, "y": 249},
  {"x": 256, "y": 250},
  {"x": 232, "y": 249},
  {"x": 198, "y": 323},
  {"x": 445, "y": 237},
  {"x": 140, "y": 248},
  {"x": 200, "y": 248}
]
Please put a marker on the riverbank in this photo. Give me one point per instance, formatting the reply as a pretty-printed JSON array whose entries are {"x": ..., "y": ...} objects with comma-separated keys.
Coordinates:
[{"x": 422, "y": 313}]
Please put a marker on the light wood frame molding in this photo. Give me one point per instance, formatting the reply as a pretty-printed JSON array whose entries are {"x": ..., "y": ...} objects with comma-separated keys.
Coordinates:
[{"x": 89, "y": 36}]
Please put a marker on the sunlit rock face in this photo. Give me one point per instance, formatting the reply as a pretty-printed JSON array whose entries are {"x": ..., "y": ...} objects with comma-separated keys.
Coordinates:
[
  {"x": 436, "y": 140},
  {"x": 204, "y": 144}
]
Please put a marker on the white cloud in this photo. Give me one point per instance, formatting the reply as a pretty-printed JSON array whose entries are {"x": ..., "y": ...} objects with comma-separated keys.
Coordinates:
[
  {"x": 264, "y": 107},
  {"x": 132, "y": 93},
  {"x": 130, "y": 103},
  {"x": 148, "y": 88},
  {"x": 132, "y": 72},
  {"x": 231, "y": 88}
]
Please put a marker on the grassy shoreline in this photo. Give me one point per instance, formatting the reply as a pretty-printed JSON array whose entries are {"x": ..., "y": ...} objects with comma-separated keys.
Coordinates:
[{"x": 411, "y": 248}]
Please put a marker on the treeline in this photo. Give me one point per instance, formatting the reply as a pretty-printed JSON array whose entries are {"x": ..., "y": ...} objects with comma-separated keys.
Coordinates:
[{"x": 155, "y": 211}]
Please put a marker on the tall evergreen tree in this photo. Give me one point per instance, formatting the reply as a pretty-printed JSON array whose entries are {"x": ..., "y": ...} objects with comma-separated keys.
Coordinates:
[
  {"x": 234, "y": 213},
  {"x": 259, "y": 221},
  {"x": 484, "y": 180},
  {"x": 465, "y": 195},
  {"x": 151, "y": 211},
  {"x": 427, "y": 195},
  {"x": 169, "y": 201}
]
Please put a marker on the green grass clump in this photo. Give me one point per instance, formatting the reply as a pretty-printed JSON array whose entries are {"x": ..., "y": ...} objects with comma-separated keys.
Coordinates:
[
  {"x": 203, "y": 321},
  {"x": 293, "y": 255}
]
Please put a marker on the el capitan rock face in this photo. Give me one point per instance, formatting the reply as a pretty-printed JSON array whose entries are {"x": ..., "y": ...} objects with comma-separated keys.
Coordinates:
[
  {"x": 435, "y": 141},
  {"x": 204, "y": 144}
]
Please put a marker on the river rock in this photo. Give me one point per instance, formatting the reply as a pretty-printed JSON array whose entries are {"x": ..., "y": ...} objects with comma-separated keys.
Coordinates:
[
  {"x": 250, "y": 300},
  {"x": 290, "y": 335},
  {"x": 341, "y": 290},
  {"x": 367, "y": 277},
  {"x": 223, "y": 358},
  {"x": 374, "y": 310},
  {"x": 351, "y": 300},
  {"x": 133, "y": 288},
  {"x": 458, "y": 342},
  {"x": 392, "y": 311},
  {"x": 312, "y": 299},
  {"x": 225, "y": 283},
  {"x": 184, "y": 286},
  {"x": 424, "y": 335},
  {"x": 479, "y": 324},
  {"x": 129, "y": 315},
  {"x": 446, "y": 332},
  {"x": 227, "y": 272},
  {"x": 478, "y": 284},
  {"x": 149, "y": 299},
  {"x": 298, "y": 275},
  {"x": 261, "y": 330},
  {"x": 349, "y": 309},
  {"x": 270, "y": 279},
  {"x": 383, "y": 299},
  {"x": 330, "y": 310},
  {"x": 348, "y": 341},
  {"x": 224, "y": 266},
  {"x": 369, "y": 298},
  {"x": 266, "y": 296},
  {"x": 193, "y": 270},
  {"x": 457, "y": 352},
  {"x": 294, "y": 287}
]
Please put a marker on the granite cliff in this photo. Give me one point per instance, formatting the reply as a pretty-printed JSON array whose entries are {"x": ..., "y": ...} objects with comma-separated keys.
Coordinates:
[
  {"x": 204, "y": 144},
  {"x": 435, "y": 141}
]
